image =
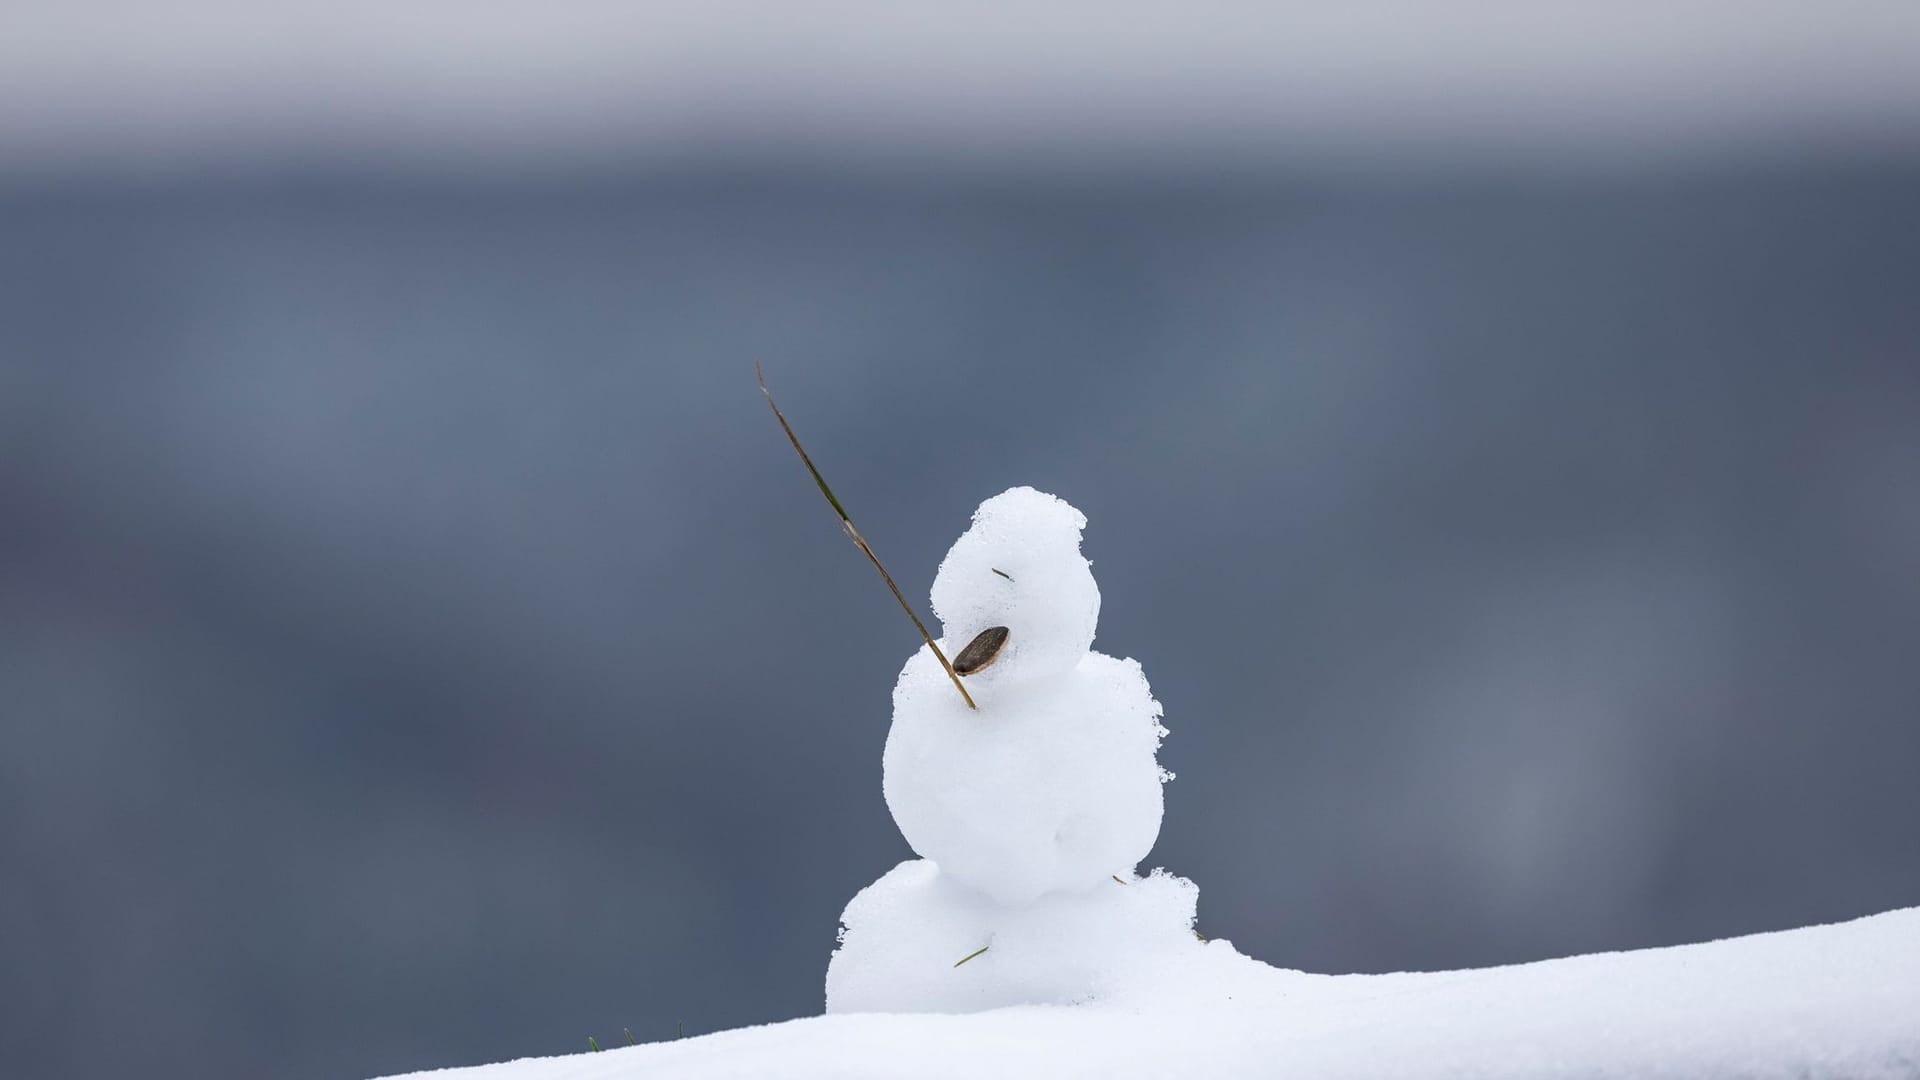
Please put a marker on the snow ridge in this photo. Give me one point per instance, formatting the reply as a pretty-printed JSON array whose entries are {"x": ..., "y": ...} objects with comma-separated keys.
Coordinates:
[{"x": 1839, "y": 1001}]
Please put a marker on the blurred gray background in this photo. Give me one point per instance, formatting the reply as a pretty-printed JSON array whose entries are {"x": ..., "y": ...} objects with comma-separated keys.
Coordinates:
[{"x": 1500, "y": 430}]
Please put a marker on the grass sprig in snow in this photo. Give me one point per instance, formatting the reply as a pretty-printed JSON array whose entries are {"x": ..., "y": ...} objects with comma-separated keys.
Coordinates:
[
  {"x": 846, "y": 523},
  {"x": 971, "y": 955}
]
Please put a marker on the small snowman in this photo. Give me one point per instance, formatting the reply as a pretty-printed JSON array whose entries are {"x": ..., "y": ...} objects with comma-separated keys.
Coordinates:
[
  {"x": 1030, "y": 811},
  {"x": 1051, "y": 784}
]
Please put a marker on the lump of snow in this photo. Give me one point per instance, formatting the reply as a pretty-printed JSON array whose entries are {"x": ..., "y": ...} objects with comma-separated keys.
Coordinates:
[
  {"x": 1051, "y": 784},
  {"x": 1019, "y": 566},
  {"x": 913, "y": 941}
]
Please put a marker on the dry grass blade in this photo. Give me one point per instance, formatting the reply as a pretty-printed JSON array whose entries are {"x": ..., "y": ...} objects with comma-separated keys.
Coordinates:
[{"x": 860, "y": 541}]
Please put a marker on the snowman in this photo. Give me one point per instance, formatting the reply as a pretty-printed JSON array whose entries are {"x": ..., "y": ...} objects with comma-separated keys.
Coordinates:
[
  {"x": 1031, "y": 811},
  {"x": 1051, "y": 783}
]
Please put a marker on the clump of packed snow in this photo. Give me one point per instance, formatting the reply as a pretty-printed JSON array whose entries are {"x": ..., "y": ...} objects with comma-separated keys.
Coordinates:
[
  {"x": 905, "y": 933},
  {"x": 1032, "y": 810},
  {"x": 1019, "y": 566},
  {"x": 1054, "y": 788}
]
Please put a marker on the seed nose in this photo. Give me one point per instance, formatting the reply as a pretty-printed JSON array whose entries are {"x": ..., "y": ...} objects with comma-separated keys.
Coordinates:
[{"x": 984, "y": 649}]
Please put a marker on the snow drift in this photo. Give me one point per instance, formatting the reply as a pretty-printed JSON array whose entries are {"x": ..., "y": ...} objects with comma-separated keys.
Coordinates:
[{"x": 1840, "y": 1002}]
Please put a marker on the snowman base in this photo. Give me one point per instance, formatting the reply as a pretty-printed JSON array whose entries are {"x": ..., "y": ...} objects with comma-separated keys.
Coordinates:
[{"x": 913, "y": 940}]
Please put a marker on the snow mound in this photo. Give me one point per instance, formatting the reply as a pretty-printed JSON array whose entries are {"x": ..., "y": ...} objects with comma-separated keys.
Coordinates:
[
  {"x": 912, "y": 943},
  {"x": 1837, "y": 1002}
]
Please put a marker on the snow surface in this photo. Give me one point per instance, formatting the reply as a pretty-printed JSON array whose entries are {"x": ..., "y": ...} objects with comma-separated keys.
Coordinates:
[
  {"x": 1840, "y": 1001},
  {"x": 1023, "y": 945}
]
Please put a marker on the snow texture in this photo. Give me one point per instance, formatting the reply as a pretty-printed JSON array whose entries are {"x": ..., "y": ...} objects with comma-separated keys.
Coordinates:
[
  {"x": 1051, "y": 785},
  {"x": 1020, "y": 566},
  {"x": 907, "y": 931},
  {"x": 1032, "y": 810},
  {"x": 1839, "y": 1002}
]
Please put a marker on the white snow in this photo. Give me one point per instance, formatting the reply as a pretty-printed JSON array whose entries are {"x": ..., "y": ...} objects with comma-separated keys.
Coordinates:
[
  {"x": 906, "y": 932},
  {"x": 1060, "y": 793},
  {"x": 1019, "y": 565},
  {"x": 1023, "y": 945},
  {"x": 1840, "y": 1001},
  {"x": 1051, "y": 785},
  {"x": 1032, "y": 810}
]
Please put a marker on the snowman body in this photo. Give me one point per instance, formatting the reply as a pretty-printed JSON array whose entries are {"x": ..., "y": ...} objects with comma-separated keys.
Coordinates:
[
  {"x": 1051, "y": 784},
  {"x": 1059, "y": 792},
  {"x": 1031, "y": 811}
]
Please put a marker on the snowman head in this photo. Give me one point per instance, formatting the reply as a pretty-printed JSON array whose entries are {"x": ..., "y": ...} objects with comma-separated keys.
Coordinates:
[{"x": 1015, "y": 598}]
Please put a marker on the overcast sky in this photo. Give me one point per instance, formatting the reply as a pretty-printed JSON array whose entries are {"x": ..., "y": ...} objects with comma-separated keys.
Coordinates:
[{"x": 199, "y": 77}]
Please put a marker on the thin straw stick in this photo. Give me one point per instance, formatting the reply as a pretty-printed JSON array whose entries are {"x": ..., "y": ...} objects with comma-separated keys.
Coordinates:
[{"x": 860, "y": 541}]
